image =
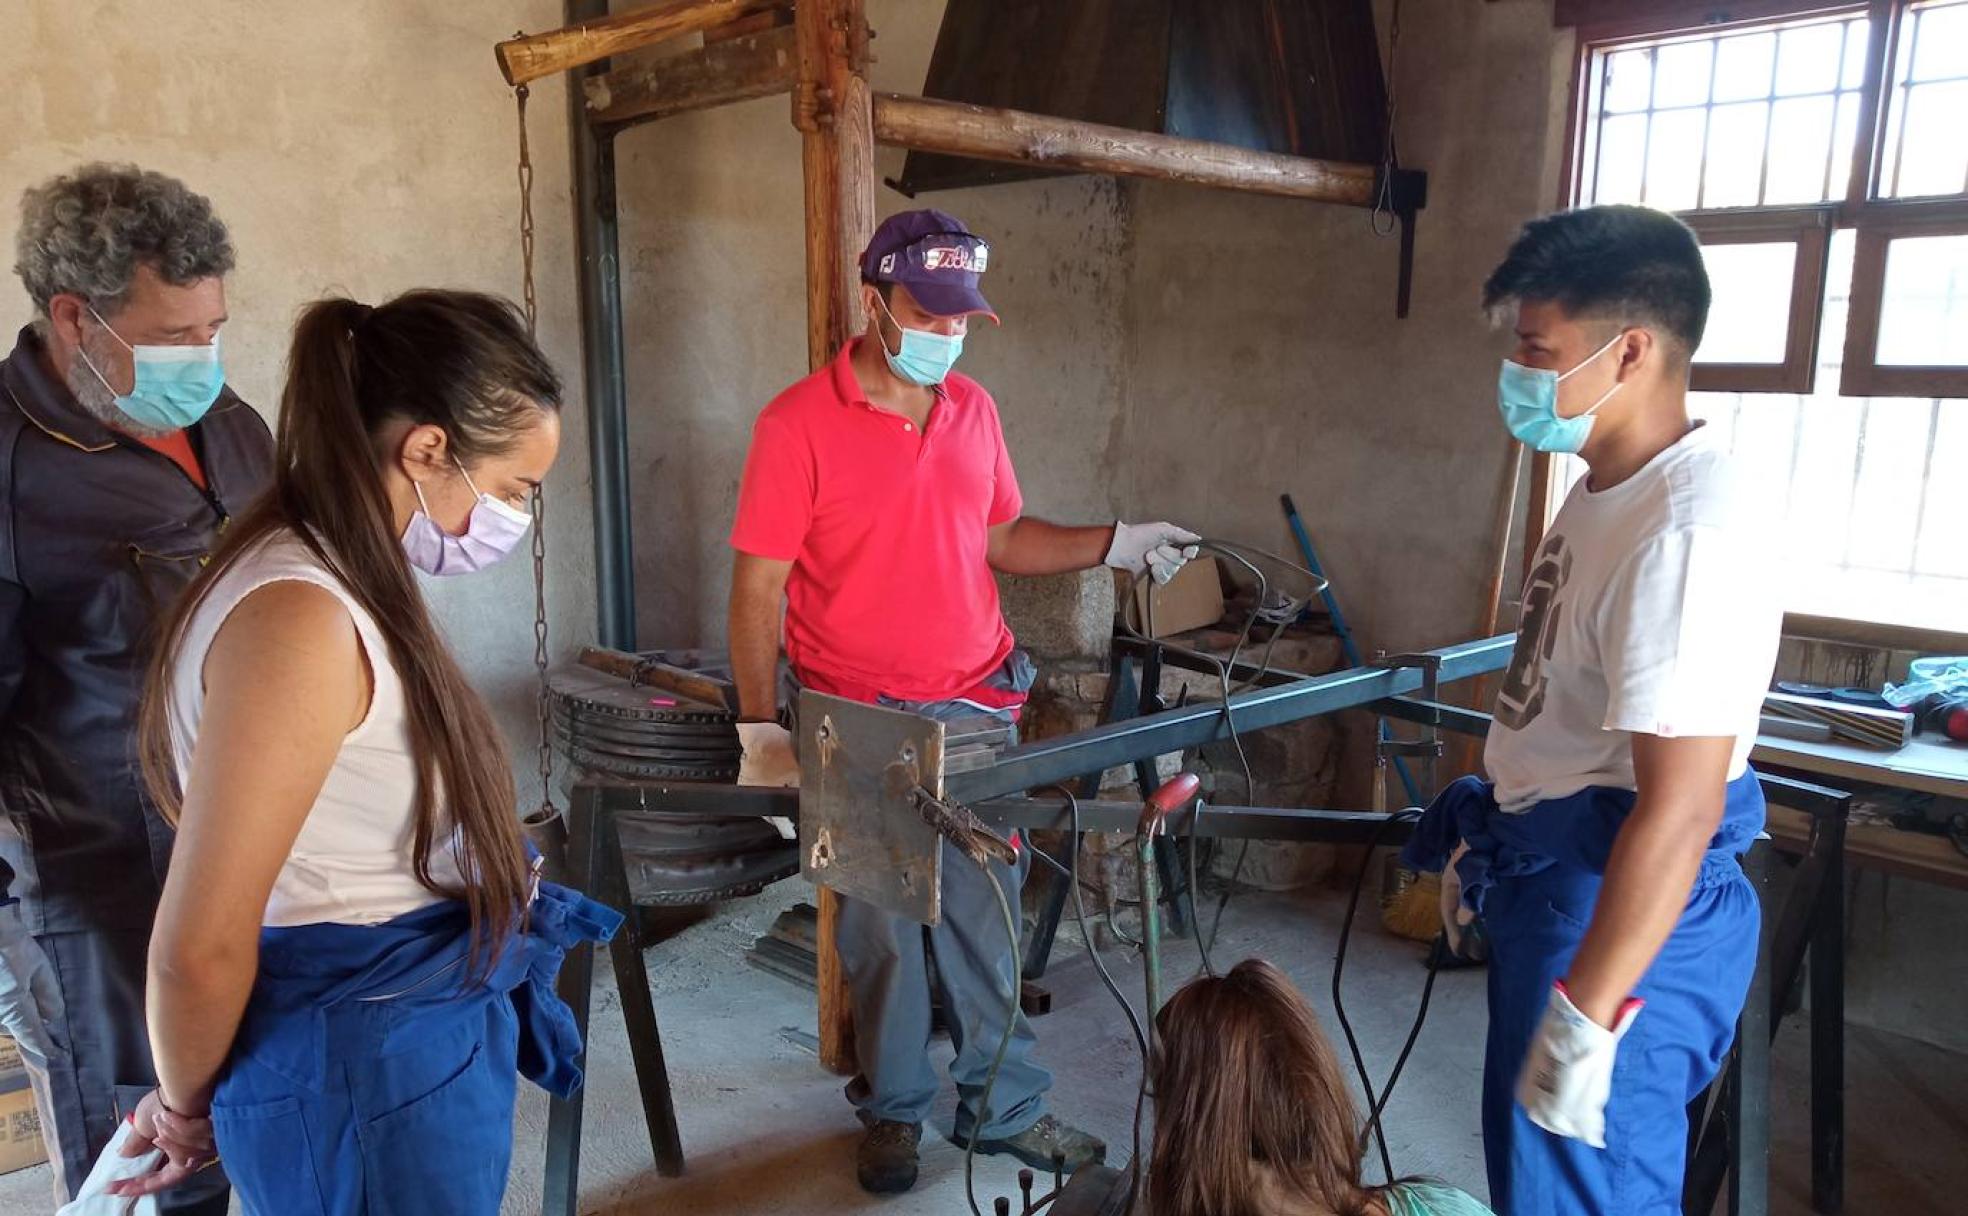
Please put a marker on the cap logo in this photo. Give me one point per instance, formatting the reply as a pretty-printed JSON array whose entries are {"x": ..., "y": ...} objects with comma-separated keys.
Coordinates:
[
  {"x": 888, "y": 263},
  {"x": 955, "y": 257}
]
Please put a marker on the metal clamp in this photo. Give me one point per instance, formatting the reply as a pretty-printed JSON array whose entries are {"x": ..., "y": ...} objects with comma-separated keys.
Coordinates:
[{"x": 959, "y": 825}]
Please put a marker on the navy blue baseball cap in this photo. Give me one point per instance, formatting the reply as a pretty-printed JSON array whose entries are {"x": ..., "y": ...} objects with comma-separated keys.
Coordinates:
[{"x": 933, "y": 255}]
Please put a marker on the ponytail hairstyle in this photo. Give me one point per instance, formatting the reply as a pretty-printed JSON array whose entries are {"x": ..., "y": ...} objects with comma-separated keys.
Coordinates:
[
  {"x": 453, "y": 359},
  {"x": 1252, "y": 1113}
]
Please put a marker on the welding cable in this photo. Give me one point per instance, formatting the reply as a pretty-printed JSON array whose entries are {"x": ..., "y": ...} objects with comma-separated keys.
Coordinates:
[
  {"x": 1134, "y": 1020},
  {"x": 1376, "y": 1103},
  {"x": 983, "y": 1113}
]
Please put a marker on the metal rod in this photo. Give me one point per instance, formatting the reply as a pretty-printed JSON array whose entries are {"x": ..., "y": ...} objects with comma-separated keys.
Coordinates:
[
  {"x": 597, "y": 247},
  {"x": 1151, "y": 929},
  {"x": 1055, "y": 760}
]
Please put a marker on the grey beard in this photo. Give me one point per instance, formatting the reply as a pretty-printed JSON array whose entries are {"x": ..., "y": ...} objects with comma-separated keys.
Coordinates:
[{"x": 99, "y": 403}]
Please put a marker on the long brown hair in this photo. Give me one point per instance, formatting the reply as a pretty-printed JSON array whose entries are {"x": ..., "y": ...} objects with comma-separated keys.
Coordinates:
[
  {"x": 1252, "y": 1113},
  {"x": 458, "y": 360}
]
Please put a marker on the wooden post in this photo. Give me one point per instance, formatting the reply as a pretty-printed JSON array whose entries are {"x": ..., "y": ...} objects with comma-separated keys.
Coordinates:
[
  {"x": 833, "y": 111},
  {"x": 1059, "y": 143},
  {"x": 1470, "y": 756},
  {"x": 532, "y": 56},
  {"x": 757, "y": 65}
]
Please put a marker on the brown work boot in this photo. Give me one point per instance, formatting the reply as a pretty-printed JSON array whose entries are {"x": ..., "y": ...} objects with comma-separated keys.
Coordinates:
[
  {"x": 886, "y": 1161},
  {"x": 1046, "y": 1141}
]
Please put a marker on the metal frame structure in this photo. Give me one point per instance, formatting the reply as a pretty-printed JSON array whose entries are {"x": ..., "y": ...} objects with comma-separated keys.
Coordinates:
[{"x": 1729, "y": 1137}]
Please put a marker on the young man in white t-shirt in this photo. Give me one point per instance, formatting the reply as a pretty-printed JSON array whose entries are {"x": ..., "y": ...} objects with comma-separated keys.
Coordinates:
[{"x": 1604, "y": 859}]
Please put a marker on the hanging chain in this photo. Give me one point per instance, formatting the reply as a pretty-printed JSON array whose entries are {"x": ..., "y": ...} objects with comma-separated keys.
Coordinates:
[
  {"x": 1382, "y": 218},
  {"x": 530, "y": 302}
]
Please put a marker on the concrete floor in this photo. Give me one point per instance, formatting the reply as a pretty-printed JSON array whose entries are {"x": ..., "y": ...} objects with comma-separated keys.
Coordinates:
[{"x": 767, "y": 1133}]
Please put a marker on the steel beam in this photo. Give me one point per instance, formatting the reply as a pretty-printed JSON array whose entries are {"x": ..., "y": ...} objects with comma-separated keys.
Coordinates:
[
  {"x": 604, "y": 361},
  {"x": 1063, "y": 759}
]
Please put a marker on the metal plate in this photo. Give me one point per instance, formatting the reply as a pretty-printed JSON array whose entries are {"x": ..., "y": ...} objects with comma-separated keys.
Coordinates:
[
  {"x": 594, "y": 692},
  {"x": 860, "y": 833}
]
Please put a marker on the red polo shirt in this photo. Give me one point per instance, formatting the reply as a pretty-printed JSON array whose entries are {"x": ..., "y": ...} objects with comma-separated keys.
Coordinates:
[{"x": 886, "y": 525}]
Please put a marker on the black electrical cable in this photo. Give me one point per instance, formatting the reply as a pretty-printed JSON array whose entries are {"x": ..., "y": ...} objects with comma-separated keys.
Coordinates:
[
  {"x": 1377, "y": 1103},
  {"x": 1284, "y": 612},
  {"x": 1106, "y": 977},
  {"x": 983, "y": 1112}
]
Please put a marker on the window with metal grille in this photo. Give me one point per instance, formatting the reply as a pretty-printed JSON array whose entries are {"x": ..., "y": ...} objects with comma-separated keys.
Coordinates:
[{"x": 1824, "y": 162}]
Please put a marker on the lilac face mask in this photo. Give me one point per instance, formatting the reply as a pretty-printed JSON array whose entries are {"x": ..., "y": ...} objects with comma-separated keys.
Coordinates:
[{"x": 493, "y": 532}]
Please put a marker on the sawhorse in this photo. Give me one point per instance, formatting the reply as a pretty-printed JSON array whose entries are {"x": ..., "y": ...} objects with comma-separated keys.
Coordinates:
[{"x": 595, "y": 867}]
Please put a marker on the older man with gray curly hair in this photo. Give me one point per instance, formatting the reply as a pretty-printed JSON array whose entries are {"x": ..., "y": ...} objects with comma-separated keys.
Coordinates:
[{"x": 122, "y": 456}]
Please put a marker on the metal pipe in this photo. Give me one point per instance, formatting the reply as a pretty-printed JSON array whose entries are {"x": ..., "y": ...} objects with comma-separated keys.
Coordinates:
[{"x": 604, "y": 365}]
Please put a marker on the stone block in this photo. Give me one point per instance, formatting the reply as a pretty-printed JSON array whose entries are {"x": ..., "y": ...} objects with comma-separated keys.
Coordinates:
[{"x": 1061, "y": 616}]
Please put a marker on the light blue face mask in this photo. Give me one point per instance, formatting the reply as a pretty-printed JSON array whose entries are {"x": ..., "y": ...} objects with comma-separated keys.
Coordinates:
[
  {"x": 174, "y": 385},
  {"x": 925, "y": 358},
  {"x": 1528, "y": 397}
]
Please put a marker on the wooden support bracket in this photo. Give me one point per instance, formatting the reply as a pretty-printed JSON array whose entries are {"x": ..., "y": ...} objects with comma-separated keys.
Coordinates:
[
  {"x": 757, "y": 65},
  {"x": 531, "y": 56}
]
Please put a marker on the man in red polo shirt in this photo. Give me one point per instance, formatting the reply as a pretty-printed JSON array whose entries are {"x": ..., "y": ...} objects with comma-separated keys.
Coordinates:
[{"x": 878, "y": 499}]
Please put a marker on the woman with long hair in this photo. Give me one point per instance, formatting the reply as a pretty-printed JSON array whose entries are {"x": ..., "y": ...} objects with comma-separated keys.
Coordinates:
[
  {"x": 353, "y": 953},
  {"x": 1252, "y": 1113}
]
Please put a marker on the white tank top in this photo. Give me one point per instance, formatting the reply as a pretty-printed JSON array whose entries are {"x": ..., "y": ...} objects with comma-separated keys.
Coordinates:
[{"x": 351, "y": 863}]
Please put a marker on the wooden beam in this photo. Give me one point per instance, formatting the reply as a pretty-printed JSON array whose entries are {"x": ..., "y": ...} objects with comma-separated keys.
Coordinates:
[
  {"x": 531, "y": 56},
  {"x": 832, "y": 109},
  {"x": 1016, "y": 137},
  {"x": 738, "y": 70}
]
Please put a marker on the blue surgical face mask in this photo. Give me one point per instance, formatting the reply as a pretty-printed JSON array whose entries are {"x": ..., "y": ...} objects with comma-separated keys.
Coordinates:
[
  {"x": 925, "y": 358},
  {"x": 174, "y": 385},
  {"x": 1528, "y": 397}
]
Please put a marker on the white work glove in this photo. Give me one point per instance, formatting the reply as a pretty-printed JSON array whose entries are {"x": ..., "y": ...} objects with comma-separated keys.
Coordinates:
[
  {"x": 1568, "y": 1073},
  {"x": 30, "y": 996},
  {"x": 1159, "y": 548},
  {"x": 767, "y": 759},
  {"x": 1455, "y": 917}
]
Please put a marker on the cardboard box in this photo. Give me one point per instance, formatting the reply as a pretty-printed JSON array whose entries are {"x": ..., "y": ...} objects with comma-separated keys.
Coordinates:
[
  {"x": 20, "y": 1121},
  {"x": 1190, "y": 600}
]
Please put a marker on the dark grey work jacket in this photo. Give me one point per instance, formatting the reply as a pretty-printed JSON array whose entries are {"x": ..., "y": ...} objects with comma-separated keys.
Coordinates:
[{"x": 98, "y": 536}]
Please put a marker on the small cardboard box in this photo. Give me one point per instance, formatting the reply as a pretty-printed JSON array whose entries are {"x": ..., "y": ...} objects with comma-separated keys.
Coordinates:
[
  {"x": 1190, "y": 600},
  {"x": 20, "y": 1121}
]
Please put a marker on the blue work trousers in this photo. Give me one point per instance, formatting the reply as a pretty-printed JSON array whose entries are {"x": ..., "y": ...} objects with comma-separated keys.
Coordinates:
[{"x": 402, "y": 1126}]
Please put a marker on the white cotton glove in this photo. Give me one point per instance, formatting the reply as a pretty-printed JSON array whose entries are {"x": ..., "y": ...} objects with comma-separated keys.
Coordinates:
[
  {"x": 1159, "y": 548},
  {"x": 30, "y": 996},
  {"x": 1455, "y": 917},
  {"x": 767, "y": 759},
  {"x": 94, "y": 1198},
  {"x": 1568, "y": 1074}
]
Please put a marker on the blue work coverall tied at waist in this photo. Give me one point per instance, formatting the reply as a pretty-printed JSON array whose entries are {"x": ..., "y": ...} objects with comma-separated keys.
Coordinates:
[
  {"x": 374, "y": 1070},
  {"x": 1534, "y": 877}
]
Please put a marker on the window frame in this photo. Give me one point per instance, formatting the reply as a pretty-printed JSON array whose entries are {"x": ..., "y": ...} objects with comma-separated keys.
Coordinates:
[
  {"x": 1875, "y": 220},
  {"x": 1810, "y": 229},
  {"x": 1599, "y": 23},
  {"x": 1862, "y": 374}
]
